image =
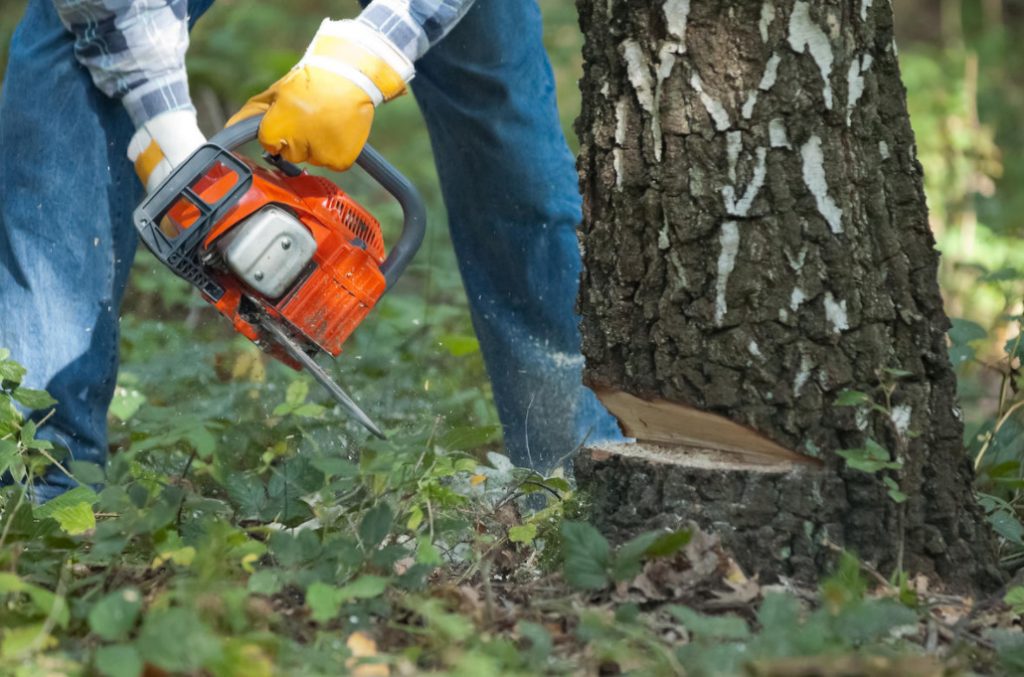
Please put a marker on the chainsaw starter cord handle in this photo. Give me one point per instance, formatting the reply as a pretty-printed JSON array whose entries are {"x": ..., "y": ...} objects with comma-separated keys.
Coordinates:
[{"x": 414, "y": 212}]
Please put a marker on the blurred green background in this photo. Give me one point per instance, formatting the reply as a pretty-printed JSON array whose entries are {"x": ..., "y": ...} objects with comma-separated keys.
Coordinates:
[{"x": 964, "y": 72}]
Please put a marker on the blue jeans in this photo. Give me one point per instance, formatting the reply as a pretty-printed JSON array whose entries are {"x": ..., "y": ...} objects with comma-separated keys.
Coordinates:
[{"x": 509, "y": 184}]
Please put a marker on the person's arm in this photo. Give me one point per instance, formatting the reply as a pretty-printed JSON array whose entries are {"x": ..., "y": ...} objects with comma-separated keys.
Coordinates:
[
  {"x": 135, "y": 51},
  {"x": 414, "y": 26},
  {"x": 321, "y": 111}
]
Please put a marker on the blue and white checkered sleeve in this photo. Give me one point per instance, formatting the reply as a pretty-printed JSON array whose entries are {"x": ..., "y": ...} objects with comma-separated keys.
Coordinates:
[
  {"x": 134, "y": 51},
  {"x": 413, "y": 26}
]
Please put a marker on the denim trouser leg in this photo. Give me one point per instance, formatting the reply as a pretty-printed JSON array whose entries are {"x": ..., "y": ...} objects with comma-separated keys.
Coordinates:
[
  {"x": 509, "y": 184},
  {"x": 66, "y": 238}
]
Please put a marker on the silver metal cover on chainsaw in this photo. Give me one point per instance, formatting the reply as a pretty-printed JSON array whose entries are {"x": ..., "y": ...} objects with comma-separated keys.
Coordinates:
[{"x": 268, "y": 250}]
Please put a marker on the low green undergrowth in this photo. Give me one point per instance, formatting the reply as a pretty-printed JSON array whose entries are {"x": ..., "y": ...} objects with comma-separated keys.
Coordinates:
[{"x": 242, "y": 527}]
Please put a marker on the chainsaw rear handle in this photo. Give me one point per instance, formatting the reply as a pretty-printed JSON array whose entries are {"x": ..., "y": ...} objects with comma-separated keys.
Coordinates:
[{"x": 414, "y": 212}]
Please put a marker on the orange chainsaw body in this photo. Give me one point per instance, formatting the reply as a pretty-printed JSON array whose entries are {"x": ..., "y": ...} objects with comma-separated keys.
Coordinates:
[
  {"x": 292, "y": 261},
  {"x": 340, "y": 285}
]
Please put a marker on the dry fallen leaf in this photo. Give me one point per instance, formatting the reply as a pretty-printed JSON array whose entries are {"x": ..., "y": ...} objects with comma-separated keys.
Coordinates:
[{"x": 363, "y": 646}]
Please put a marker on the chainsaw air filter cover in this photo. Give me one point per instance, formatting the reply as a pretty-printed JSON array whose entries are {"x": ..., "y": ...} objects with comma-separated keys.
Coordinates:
[{"x": 268, "y": 250}]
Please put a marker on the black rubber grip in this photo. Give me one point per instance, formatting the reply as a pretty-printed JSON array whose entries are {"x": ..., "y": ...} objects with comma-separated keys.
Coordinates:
[{"x": 414, "y": 212}]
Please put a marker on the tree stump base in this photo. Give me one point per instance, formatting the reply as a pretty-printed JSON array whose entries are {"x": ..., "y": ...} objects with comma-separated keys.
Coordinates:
[{"x": 770, "y": 516}]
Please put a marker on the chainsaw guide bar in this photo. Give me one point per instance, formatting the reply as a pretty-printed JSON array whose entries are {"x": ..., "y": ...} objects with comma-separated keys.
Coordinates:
[{"x": 288, "y": 257}]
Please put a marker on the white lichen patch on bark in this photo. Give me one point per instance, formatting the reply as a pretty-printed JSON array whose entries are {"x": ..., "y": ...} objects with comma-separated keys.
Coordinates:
[
  {"x": 753, "y": 348},
  {"x": 730, "y": 244},
  {"x": 767, "y": 17},
  {"x": 796, "y": 262},
  {"x": 733, "y": 145},
  {"x": 742, "y": 207},
  {"x": 865, "y": 5},
  {"x": 805, "y": 35},
  {"x": 855, "y": 83},
  {"x": 639, "y": 73},
  {"x": 900, "y": 417},
  {"x": 771, "y": 72},
  {"x": 714, "y": 108},
  {"x": 814, "y": 178},
  {"x": 796, "y": 298},
  {"x": 860, "y": 419},
  {"x": 621, "y": 110},
  {"x": 663, "y": 242},
  {"x": 677, "y": 12},
  {"x": 835, "y": 313},
  {"x": 777, "y": 136}
]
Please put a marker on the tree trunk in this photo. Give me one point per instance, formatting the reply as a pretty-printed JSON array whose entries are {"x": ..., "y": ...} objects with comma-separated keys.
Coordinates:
[{"x": 755, "y": 243}]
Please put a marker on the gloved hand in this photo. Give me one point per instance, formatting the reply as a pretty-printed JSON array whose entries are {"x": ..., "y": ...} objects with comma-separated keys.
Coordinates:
[
  {"x": 321, "y": 111},
  {"x": 162, "y": 143}
]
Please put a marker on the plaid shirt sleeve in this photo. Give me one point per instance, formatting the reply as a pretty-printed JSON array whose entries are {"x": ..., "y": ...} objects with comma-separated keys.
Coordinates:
[
  {"x": 415, "y": 25},
  {"x": 134, "y": 51}
]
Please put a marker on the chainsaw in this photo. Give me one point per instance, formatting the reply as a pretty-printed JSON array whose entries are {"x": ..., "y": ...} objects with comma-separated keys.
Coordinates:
[{"x": 288, "y": 257}]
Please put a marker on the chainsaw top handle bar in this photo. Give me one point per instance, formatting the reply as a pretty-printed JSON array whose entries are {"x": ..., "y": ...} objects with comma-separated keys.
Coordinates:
[{"x": 414, "y": 213}]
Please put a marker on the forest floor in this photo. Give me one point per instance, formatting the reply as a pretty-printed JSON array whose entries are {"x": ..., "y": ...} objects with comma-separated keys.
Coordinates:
[{"x": 239, "y": 532}]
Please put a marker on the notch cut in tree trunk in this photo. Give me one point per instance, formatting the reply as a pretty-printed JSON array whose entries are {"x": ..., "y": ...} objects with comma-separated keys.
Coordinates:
[
  {"x": 671, "y": 425},
  {"x": 755, "y": 242}
]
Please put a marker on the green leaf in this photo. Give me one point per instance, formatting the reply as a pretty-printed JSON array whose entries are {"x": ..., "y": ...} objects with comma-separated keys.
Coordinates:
[
  {"x": 670, "y": 543},
  {"x": 870, "y": 458},
  {"x": 203, "y": 441},
  {"x": 459, "y": 345},
  {"x": 325, "y": 600},
  {"x": 1014, "y": 598},
  {"x": 297, "y": 392},
  {"x": 727, "y": 627},
  {"x": 964, "y": 331},
  {"x": 8, "y": 455},
  {"x": 540, "y": 641},
  {"x": 177, "y": 640},
  {"x": 126, "y": 403},
  {"x": 585, "y": 552},
  {"x": 87, "y": 472},
  {"x": 364, "y": 587},
  {"x": 375, "y": 525},
  {"x": 34, "y": 399},
  {"x": 72, "y": 510},
  {"x": 246, "y": 491},
  {"x": 11, "y": 371},
  {"x": 336, "y": 467},
  {"x": 523, "y": 533},
  {"x": 265, "y": 582},
  {"x": 427, "y": 553},
  {"x": 871, "y": 620},
  {"x": 961, "y": 335},
  {"x": 453, "y": 628},
  {"x": 1006, "y": 524},
  {"x": 44, "y": 601},
  {"x": 628, "y": 559},
  {"x": 852, "y": 398},
  {"x": 114, "y": 616},
  {"x": 846, "y": 585},
  {"x": 119, "y": 660},
  {"x": 894, "y": 490}
]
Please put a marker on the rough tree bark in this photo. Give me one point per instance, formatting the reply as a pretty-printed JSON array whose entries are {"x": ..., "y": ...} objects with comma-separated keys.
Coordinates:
[{"x": 756, "y": 242}]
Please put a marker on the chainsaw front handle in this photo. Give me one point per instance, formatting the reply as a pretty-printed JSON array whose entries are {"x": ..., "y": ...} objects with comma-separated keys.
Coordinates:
[{"x": 414, "y": 212}]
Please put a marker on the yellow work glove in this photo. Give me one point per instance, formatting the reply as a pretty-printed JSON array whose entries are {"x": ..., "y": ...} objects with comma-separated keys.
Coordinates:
[
  {"x": 163, "y": 143},
  {"x": 321, "y": 111}
]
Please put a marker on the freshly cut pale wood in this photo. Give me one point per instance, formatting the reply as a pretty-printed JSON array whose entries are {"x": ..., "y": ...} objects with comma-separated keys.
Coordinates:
[{"x": 674, "y": 424}]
